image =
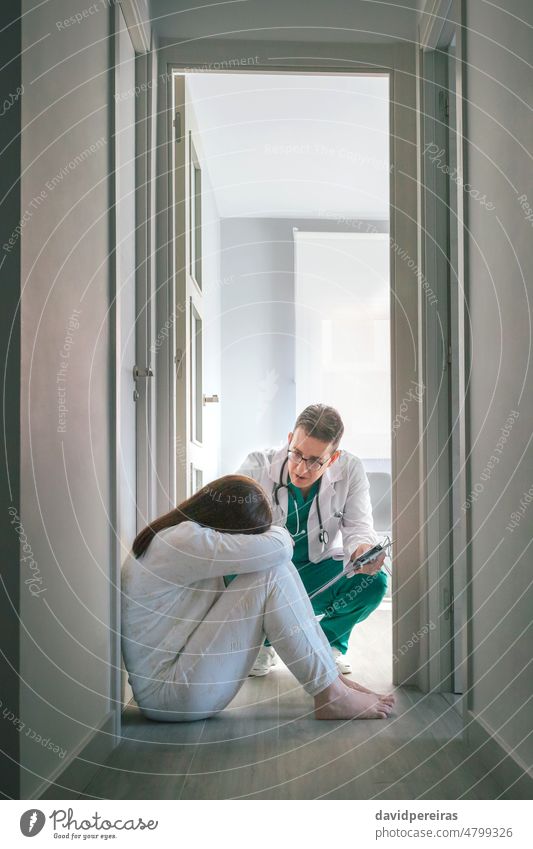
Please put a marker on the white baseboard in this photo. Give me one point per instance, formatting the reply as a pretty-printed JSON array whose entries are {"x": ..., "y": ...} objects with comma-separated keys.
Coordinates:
[
  {"x": 507, "y": 769},
  {"x": 68, "y": 779}
]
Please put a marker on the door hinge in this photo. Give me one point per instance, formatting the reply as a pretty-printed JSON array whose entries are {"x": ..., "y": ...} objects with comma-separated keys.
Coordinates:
[
  {"x": 177, "y": 126},
  {"x": 446, "y": 603},
  {"x": 139, "y": 372},
  {"x": 178, "y": 360}
]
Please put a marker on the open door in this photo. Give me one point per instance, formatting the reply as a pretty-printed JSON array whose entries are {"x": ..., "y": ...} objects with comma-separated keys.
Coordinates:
[
  {"x": 457, "y": 378},
  {"x": 446, "y": 352},
  {"x": 188, "y": 299},
  {"x": 128, "y": 387}
]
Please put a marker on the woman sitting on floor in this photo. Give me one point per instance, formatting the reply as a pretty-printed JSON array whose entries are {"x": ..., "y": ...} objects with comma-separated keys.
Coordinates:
[{"x": 189, "y": 641}]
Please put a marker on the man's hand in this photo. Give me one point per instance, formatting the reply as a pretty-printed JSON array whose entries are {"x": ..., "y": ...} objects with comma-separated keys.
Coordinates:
[{"x": 372, "y": 567}]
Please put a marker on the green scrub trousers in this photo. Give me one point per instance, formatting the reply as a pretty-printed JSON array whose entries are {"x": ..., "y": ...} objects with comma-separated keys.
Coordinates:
[{"x": 347, "y": 602}]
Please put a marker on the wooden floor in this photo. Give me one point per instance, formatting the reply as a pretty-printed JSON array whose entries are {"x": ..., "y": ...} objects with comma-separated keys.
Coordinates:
[{"x": 266, "y": 745}]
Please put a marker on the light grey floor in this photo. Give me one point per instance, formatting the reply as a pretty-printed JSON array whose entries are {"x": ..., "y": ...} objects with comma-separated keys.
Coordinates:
[{"x": 267, "y": 745}]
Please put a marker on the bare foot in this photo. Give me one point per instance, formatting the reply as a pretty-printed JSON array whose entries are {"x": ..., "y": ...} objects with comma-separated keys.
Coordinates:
[
  {"x": 386, "y": 697},
  {"x": 341, "y": 702}
]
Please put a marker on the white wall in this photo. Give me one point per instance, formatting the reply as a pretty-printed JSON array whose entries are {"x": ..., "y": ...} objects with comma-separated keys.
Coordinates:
[
  {"x": 290, "y": 145},
  {"x": 66, "y": 476},
  {"x": 342, "y": 334},
  {"x": 258, "y": 330},
  {"x": 257, "y": 282},
  {"x": 500, "y": 257}
]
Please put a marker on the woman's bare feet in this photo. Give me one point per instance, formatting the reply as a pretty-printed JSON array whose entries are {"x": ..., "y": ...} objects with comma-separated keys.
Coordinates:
[
  {"x": 386, "y": 697},
  {"x": 341, "y": 702}
]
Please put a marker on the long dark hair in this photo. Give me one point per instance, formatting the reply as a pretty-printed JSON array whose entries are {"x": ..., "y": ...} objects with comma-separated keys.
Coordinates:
[{"x": 233, "y": 504}]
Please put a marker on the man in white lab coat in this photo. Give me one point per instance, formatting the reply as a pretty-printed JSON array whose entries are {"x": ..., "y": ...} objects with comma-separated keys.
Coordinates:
[{"x": 321, "y": 495}]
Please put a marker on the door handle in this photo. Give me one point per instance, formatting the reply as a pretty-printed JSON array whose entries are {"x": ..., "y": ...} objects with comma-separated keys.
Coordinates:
[
  {"x": 210, "y": 399},
  {"x": 142, "y": 372}
]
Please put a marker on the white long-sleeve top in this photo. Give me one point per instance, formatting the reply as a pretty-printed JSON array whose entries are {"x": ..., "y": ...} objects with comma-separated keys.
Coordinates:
[{"x": 170, "y": 588}]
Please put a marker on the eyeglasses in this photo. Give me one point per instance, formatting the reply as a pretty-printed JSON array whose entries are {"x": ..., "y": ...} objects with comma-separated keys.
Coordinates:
[{"x": 311, "y": 463}]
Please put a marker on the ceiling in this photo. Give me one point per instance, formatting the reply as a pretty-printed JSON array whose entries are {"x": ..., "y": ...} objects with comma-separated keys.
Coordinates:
[
  {"x": 340, "y": 21},
  {"x": 294, "y": 146}
]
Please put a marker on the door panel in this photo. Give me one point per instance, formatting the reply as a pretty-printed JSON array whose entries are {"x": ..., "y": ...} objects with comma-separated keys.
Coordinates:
[
  {"x": 456, "y": 394},
  {"x": 188, "y": 298},
  {"x": 126, "y": 307}
]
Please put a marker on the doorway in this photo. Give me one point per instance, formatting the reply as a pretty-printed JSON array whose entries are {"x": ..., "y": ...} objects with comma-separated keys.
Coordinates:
[
  {"x": 282, "y": 270},
  {"x": 267, "y": 404}
]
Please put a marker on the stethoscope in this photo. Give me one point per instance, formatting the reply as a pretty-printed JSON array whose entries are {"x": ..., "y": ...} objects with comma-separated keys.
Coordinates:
[{"x": 323, "y": 536}]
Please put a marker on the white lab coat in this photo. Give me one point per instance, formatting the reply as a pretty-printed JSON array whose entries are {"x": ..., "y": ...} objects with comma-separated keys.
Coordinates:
[{"x": 344, "y": 502}]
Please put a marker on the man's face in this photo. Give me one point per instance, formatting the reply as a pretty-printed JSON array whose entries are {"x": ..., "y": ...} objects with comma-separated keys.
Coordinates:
[{"x": 313, "y": 450}]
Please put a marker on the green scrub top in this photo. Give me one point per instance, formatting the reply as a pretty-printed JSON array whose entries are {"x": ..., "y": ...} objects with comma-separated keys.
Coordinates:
[{"x": 297, "y": 502}]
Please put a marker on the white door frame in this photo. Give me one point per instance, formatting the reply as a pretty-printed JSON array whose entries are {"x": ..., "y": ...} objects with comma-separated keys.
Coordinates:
[
  {"x": 116, "y": 392},
  {"x": 145, "y": 242},
  {"x": 144, "y": 131},
  {"x": 446, "y": 525},
  {"x": 399, "y": 61}
]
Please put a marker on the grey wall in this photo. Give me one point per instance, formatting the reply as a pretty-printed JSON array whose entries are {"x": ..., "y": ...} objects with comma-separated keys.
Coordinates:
[
  {"x": 499, "y": 54},
  {"x": 257, "y": 282},
  {"x": 277, "y": 20},
  {"x": 10, "y": 88},
  {"x": 66, "y": 475}
]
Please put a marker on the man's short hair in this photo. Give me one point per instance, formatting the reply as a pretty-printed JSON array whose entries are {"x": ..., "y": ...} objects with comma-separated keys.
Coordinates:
[{"x": 321, "y": 422}]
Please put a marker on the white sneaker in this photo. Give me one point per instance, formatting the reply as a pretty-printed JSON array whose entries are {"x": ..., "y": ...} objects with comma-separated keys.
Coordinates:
[
  {"x": 265, "y": 660},
  {"x": 343, "y": 664}
]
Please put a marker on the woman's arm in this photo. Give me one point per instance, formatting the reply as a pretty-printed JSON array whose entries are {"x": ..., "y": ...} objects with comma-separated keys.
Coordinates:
[{"x": 194, "y": 553}]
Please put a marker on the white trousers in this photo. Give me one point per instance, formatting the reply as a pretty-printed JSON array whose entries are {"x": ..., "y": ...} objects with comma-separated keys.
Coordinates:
[{"x": 217, "y": 658}]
